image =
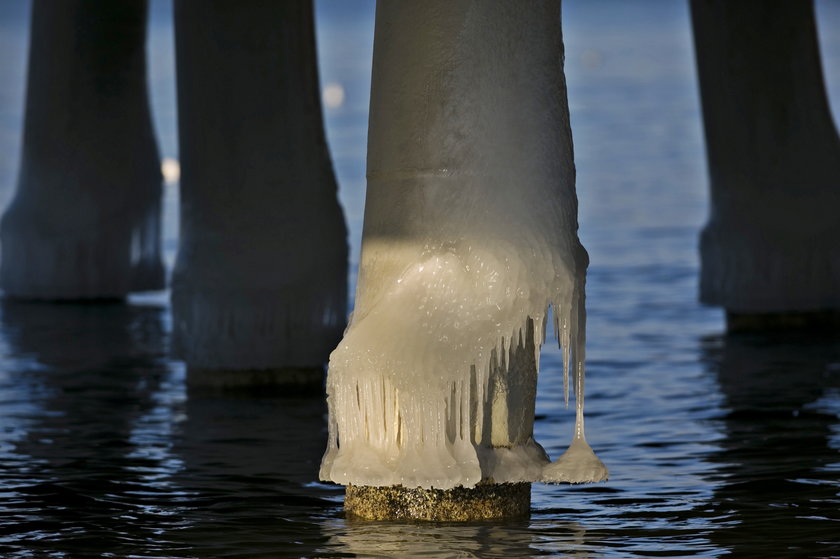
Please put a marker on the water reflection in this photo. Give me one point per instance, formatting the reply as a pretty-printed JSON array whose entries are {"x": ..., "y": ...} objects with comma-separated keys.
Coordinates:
[
  {"x": 102, "y": 451},
  {"x": 250, "y": 468},
  {"x": 81, "y": 378},
  {"x": 778, "y": 470},
  {"x": 444, "y": 541}
]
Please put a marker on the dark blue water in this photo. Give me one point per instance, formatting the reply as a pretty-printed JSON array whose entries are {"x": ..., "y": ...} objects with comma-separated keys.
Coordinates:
[{"x": 716, "y": 444}]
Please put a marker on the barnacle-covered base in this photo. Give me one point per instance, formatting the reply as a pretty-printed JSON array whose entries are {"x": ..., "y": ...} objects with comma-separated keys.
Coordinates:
[{"x": 485, "y": 501}]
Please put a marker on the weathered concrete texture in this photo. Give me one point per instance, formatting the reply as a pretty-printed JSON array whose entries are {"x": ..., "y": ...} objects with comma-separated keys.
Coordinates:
[
  {"x": 777, "y": 321},
  {"x": 280, "y": 381},
  {"x": 485, "y": 501}
]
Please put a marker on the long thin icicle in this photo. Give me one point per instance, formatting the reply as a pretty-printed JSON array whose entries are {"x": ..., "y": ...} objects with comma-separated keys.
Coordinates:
[{"x": 578, "y": 464}]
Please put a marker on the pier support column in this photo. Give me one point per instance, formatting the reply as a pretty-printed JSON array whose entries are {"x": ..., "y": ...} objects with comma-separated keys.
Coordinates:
[
  {"x": 470, "y": 233},
  {"x": 769, "y": 251},
  {"x": 85, "y": 220},
  {"x": 259, "y": 287}
]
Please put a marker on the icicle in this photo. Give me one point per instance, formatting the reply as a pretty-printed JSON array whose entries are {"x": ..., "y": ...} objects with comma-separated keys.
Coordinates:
[
  {"x": 565, "y": 347},
  {"x": 578, "y": 464}
]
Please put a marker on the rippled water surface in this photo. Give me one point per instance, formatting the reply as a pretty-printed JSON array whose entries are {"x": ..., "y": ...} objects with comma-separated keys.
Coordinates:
[{"x": 716, "y": 444}]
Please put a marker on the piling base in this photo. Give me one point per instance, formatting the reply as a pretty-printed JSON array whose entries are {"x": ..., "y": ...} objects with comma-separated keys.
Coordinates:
[
  {"x": 485, "y": 501},
  {"x": 285, "y": 381},
  {"x": 778, "y": 321}
]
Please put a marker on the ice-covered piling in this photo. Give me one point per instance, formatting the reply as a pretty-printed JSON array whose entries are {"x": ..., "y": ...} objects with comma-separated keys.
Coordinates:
[
  {"x": 769, "y": 251},
  {"x": 259, "y": 292},
  {"x": 85, "y": 219},
  {"x": 470, "y": 234}
]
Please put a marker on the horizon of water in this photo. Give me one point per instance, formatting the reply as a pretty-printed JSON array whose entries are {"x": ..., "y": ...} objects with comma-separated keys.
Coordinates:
[{"x": 717, "y": 444}]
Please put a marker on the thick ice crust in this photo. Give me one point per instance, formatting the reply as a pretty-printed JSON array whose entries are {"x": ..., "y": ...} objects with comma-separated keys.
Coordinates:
[{"x": 442, "y": 398}]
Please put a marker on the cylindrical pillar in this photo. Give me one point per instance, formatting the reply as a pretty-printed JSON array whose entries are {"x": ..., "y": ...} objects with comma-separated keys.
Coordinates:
[
  {"x": 769, "y": 251},
  {"x": 259, "y": 287},
  {"x": 470, "y": 233},
  {"x": 85, "y": 220}
]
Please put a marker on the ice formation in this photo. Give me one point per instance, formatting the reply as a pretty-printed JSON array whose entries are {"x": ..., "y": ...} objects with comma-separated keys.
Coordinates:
[
  {"x": 85, "y": 219},
  {"x": 470, "y": 235},
  {"x": 260, "y": 280}
]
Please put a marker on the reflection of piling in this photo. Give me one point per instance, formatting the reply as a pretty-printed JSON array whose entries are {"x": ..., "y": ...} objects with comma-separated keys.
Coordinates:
[
  {"x": 772, "y": 462},
  {"x": 485, "y": 501}
]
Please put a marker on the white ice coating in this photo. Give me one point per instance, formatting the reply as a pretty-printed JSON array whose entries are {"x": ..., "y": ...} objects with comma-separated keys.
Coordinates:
[
  {"x": 85, "y": 219},
  {"x": 470, "y": 234}
]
